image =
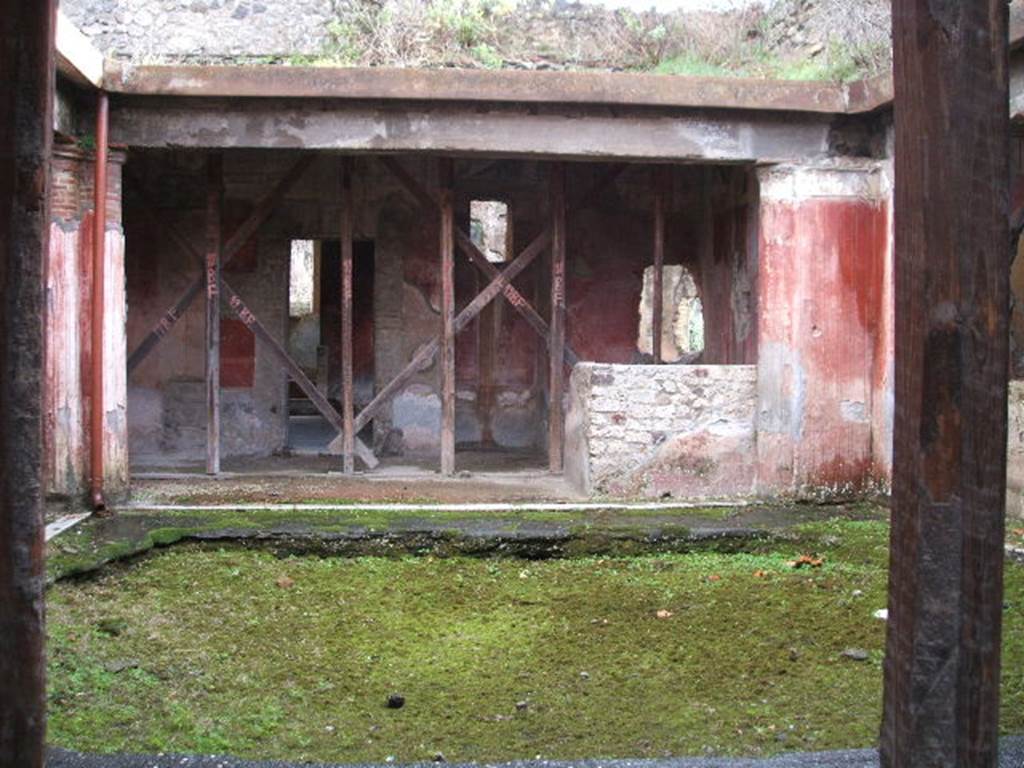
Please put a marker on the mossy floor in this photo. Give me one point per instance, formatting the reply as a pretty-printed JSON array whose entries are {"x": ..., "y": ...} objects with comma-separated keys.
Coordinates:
[{"x": 237, "y": 651}]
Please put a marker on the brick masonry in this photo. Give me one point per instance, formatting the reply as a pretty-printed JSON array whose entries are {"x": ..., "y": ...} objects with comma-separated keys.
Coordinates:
[
  {"x": 656, "y": 431},
  {"x": 67, "y": 398}
]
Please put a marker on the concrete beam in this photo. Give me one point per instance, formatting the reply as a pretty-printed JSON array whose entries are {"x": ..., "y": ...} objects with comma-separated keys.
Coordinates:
[
  {"x": 77, "y": 59},
  {"x": 476, "y": 86},
  {"x": 637, "y": 134}
]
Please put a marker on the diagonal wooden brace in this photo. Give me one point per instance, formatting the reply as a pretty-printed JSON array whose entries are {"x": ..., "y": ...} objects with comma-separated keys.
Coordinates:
[
  {"x": 468, "y": 247},
  {"x": 294, "y": 370},
  {"x": 241, "y": 236},
  {"x": 514, "y": 297},
  {"x": 426, "y": 353}
]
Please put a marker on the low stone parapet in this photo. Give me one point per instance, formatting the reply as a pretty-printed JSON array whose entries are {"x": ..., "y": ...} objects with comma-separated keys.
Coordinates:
[{"x": 686, "y": 431}]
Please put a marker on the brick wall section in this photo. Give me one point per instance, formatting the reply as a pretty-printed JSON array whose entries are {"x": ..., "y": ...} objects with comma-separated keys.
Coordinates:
[
  {"x": 67, "y": 397},
  {"x": 655, "y": 431}
]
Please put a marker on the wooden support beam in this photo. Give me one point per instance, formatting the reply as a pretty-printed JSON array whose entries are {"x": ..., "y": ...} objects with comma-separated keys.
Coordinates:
[
  {"x": 425, "y": 354},
  {"x": 277, "y": 350},
  {"x": 942, "y": 662},
  {"x": 556, "y": 379},
  {"x": 294, "y": 369},
  {"x": 234, "y": 244},
  {"x": 26, "y": 139},
  {"x": 468, "y": 247},
  {"x": 347, "y": 393},
  {"x": 519, "y": 302},
  {"x": 214, "y": 205},
  {"x": 446, "y": 204},
  {"x": 659, "y": 186}
]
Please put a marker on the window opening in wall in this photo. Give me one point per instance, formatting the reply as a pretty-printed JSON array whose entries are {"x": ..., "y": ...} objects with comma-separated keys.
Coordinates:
[
  {"x": 301, "y": 279},
  {"x": 682, "y": 335},
  {"x": 489, "y": 228}
]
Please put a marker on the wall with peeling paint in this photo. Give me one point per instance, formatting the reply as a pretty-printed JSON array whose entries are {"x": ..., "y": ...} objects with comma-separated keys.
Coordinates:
[
  {"x": 824, "y": 242},
  {"x": 501, "y": 366},
  {"x": 68, "y": 274}
]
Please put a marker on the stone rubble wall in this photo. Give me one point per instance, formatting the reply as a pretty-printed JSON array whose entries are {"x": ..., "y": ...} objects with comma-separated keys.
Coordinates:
[
  {"x": 203, "y": 29},
  {"x": 651, "y": 431},
  {"x": 1015, "y": 452}
]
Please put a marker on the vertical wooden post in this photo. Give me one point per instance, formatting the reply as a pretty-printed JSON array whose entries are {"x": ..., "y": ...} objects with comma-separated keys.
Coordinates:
[
  {"x": 445, "y": 177},
  {"x": 942, "y": 663},
  {"x": 658, "y": 182},
  {"x": 347, "y": 393},
  {"x": 26, "y": 136},
  {"x": 556, "y": 377},
  {"x": 214, "y": 198}
]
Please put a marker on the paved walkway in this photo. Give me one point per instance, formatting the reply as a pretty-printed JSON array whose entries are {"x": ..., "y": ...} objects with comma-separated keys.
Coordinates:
[
  {"x": 525, "y": 530},
  {"x": 1012, "y": 756}
]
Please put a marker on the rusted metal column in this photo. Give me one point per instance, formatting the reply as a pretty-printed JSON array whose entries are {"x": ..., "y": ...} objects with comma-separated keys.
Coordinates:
[
  {"x": 949, "y": 464},
  {"x": 214, "y": 204},
  {"x": 26, "y": 120},
  {"x": 97, "y": 408},
  {"x": 556, "y": 379},
  {"x": 658, "y": 182},
  {"x": 447, "y": 317},
  {"x": 347, "y": 394}
]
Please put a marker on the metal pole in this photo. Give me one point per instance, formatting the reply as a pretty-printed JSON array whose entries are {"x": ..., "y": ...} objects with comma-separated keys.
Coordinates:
[{"x": 99, "y": 262}]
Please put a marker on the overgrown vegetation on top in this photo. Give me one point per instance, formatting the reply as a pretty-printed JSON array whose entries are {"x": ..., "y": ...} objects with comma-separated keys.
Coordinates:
[
  {"x": 237, "y": 651},
  {"x": 834, "y": 40}
]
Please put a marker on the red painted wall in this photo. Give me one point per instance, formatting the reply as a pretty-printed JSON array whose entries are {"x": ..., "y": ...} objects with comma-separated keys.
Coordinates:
[{"x": 820, "y": 322}]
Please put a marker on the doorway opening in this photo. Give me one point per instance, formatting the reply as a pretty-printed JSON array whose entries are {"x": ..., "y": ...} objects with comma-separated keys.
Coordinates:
[{"x": 314, "y": 336}]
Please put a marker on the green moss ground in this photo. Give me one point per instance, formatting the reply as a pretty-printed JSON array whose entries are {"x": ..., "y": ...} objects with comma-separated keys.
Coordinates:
[{"x": 216, "y": 657}]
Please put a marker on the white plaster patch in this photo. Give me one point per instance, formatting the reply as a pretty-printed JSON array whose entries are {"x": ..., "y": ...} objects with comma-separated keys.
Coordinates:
[
  {"x": 417, "y": 412},
  {"x": 790, "y": 183},
  {"x": 854, "y": 411}
]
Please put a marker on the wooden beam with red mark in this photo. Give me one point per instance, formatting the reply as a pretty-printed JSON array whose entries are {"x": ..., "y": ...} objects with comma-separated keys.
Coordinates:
[
  {"x": 469, "y": 248},
  {"x": 556, "y": 378},
  {"x": 294, "y": 370},
  {"x": 234, "y": 244},
  {"x": 347, "y": 393},
  {"x": 426, "y": 353},
  {"x": 214, "y": 210},
  {"x": 447, "y": 252}
]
